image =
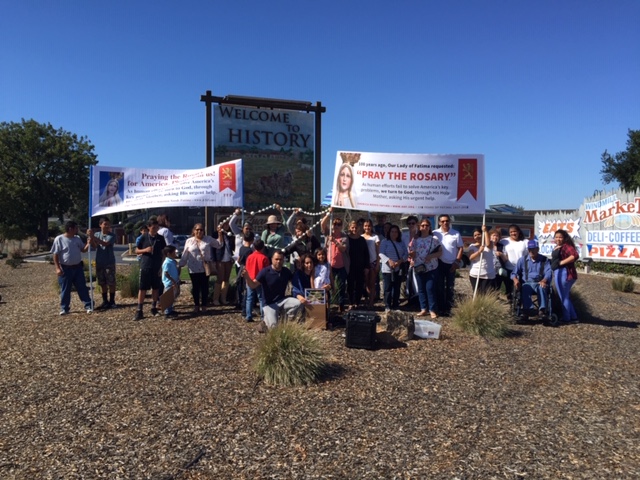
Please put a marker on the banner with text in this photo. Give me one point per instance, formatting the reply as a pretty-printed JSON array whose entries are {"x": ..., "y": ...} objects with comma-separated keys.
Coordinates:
[
  {"x": 115, "y": 189},
  {"x": 398, "y": 183}
]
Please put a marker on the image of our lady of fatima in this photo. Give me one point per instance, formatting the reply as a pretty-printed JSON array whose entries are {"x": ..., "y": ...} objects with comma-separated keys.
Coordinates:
[{"x": 344, "y": 194}]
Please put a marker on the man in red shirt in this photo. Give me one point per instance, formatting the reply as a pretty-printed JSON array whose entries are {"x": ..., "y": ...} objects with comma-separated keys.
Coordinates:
[{"x": 255, "y": 262}]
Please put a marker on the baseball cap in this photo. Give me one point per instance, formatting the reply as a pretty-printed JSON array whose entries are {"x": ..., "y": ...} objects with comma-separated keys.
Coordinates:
[{"x": 532, "y": 244}]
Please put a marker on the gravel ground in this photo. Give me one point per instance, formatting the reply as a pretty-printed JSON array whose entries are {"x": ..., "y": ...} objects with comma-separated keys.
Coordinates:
[{"x": 102, "y": 396}]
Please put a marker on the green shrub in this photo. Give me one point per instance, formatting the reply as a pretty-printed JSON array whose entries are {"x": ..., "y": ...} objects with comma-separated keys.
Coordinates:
[
  {"x": 289, "y": 355},
  {"x": 14, "y": 262},
  {"x": 129, "y": 284},
  {"x": 623, "y": 284},
  {"x": 485, "y": 316}
]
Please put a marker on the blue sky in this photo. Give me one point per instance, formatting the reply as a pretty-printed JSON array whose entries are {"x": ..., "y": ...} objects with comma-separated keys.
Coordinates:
[{"x": 540, "y": 88}]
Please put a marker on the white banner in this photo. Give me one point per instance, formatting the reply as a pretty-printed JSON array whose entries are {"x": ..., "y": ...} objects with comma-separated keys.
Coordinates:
[
  {"x": 115, "y": 189},
  {"x": 398, "y": 183}
]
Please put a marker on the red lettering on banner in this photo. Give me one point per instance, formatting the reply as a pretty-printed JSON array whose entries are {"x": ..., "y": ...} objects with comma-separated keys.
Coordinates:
[
  {"x": 468, "y": 177},
  {"x": 228, "y": 178}
]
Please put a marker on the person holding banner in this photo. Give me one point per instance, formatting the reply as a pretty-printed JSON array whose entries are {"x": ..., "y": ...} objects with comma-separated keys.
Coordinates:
[
  {"x": 273, "y": 235},
  {"x": 448, "y": 263},
  {"x": 336, "y": 245},
  {"x": 67, "y": 252},
  {"x": 344, "y": 186},
  {"x": 198, "y": 250},
  {"x": 393, "y": 253},
  {"x": 482, "y": 258}
]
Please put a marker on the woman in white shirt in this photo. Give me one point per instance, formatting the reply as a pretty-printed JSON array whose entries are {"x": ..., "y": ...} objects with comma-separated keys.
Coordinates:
[
  {"x": 481, "y": 257},
  {"x": 198, "y": 249},
  {"x": 515, "y": 247}
]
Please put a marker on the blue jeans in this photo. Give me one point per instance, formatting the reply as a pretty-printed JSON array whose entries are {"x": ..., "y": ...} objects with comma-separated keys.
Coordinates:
[
  {"x": 445, "y": 281},
  {"x": 564, "y": 288},
  {"x": 73, "y": 276},
  {"x": 252, "y": 293},
  {"x": 534, "y": 288},
  {"x": 427, "y": 291},
  {"x": 391, "y": 286}
]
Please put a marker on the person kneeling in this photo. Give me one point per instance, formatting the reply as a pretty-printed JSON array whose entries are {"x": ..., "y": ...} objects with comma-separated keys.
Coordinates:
[
  {"x": 274, "y": 280},
  {"x": 533, "y": 276}
]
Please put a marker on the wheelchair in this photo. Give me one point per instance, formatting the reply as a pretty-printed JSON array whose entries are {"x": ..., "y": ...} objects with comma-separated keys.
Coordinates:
[{"x": 522, "y": 316}]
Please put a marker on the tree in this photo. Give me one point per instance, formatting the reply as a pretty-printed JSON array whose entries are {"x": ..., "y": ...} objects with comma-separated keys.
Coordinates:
[
  {"x": 43, "y": 172},
  {"x": 624, "y": 167}
]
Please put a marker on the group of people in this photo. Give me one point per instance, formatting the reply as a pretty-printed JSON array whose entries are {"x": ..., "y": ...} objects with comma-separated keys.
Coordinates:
[
  {"x": 348, "y": 266},
  {"x": 517, "y": 263}
]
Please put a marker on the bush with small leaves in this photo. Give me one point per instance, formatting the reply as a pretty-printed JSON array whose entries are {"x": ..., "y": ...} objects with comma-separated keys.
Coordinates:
[
  {"x": 14, "y": 262},
  {"x": 289, "y": 355},
  {"x": 623, "y": 284},
  {"x": 486, "y": 316}
]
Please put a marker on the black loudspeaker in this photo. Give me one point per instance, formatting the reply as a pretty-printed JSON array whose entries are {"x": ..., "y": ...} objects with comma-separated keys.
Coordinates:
[{"x": 361, "y": 329}]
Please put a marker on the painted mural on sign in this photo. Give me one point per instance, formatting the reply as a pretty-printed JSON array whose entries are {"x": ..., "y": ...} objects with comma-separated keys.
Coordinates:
[
  {"x": 277, "y": 148},
  {"x": 606, "y": 227}
]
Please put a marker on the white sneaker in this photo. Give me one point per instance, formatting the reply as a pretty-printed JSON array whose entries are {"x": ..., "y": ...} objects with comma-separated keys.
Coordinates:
[
  {"x": 89, "y": 310},
  {"x": 63, "y": 312}
]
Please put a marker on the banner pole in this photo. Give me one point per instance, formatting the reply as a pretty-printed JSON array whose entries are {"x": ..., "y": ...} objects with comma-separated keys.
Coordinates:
[
  {"x": 89, "y": 226},
  {"x": 482, "y": 245}
]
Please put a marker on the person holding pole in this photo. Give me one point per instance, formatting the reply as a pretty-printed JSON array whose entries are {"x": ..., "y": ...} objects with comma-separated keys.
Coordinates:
[{"x": 67, "y": 252}]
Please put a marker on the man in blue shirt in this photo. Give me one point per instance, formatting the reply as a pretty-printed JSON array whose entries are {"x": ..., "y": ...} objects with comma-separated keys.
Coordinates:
[
  {"x": 532, "y": 275},
  {"x": 274, "y": 280}
]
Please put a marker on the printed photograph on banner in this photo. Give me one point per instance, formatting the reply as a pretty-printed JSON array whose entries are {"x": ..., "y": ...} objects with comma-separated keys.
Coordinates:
[
  {"x": 398, "y": 183},
  {"x": 277, "y": 148},
  {"x": 114, "y": 190},
  {"x": 111, "y": 188}
]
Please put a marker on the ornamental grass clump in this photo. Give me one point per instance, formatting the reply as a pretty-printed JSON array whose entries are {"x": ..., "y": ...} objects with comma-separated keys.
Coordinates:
[
  {"x": 623, "y": 284},
  {"x": 289, "y": 355},
  {"x": 485, "y": 316}
]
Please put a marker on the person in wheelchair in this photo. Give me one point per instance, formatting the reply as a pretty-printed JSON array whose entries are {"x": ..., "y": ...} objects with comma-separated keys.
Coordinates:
[{"x": 532, "y": 276}]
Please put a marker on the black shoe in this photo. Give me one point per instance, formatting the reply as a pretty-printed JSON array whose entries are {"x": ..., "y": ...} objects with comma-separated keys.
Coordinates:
[
  {"x": 139, "y": 315},
  {"x": 171, "y": 314},
  {"x": 154, "y": 312},
  {"x": 104, "y": 305},
  {"x": 574, "y": 321}
]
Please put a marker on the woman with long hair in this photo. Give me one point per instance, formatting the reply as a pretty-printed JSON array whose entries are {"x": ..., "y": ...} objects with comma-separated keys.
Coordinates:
[
  {"x": 425, "y": 249},
  {"x": 481, "y": 256},
  {"x": 359, "y": 264},
  {"x": 198, "y": 249},
  {"x": 224, "y": 263},
  {"x": 373, "y": 243},
  {"x": 111, "y": 194},
  {"x": 393, "y": 253},
  {"x": 344, "y": 185},
  {"x": 515, "y": 247},
  {"x": 563, "y": 264}
]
